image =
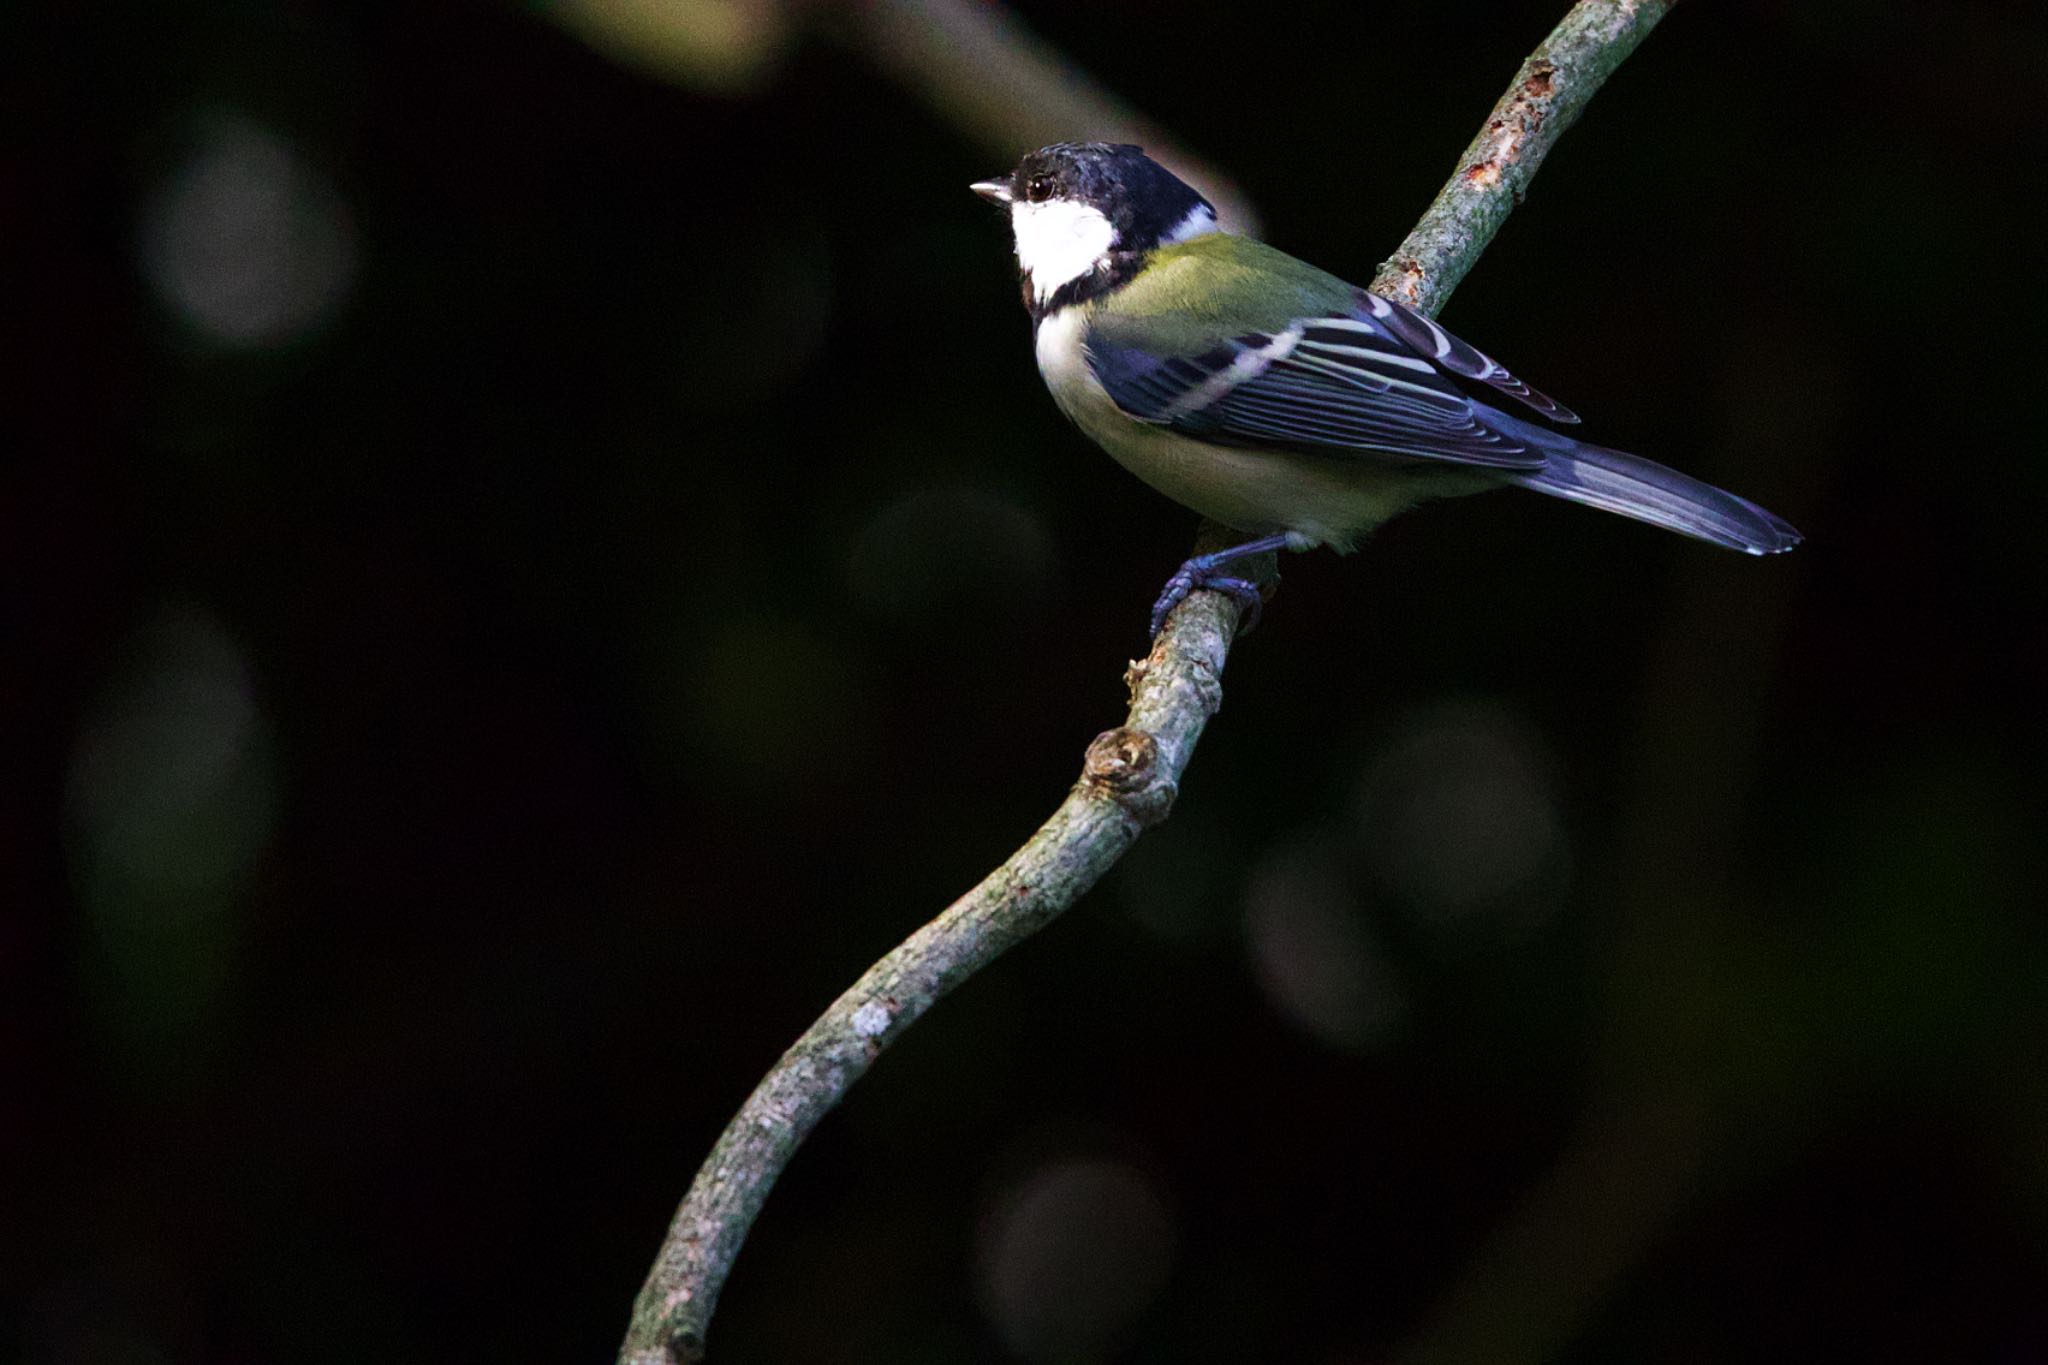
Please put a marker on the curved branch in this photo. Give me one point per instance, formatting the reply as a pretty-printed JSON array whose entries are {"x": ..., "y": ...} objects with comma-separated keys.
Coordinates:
[
  {"x": 1128, "y": 781},
  {"x": 1131, "y": 773}
]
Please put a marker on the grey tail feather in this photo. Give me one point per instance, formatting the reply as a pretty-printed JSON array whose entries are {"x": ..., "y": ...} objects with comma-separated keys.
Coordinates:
[{"x": 1616, "y": 481}]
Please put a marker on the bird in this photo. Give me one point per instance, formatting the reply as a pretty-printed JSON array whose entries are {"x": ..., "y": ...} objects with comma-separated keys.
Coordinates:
[{"x": 1277, "y": 399}]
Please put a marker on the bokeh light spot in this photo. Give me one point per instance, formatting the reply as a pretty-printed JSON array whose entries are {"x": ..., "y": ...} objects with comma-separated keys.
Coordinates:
[
  {"x": 244, "y": 241},
  {"x": 1071, "y": 1255},
  {"x": 1315, "y": 957},
  {"x": 172, "y": 795},
  {"x": 1461, "y": 822}
]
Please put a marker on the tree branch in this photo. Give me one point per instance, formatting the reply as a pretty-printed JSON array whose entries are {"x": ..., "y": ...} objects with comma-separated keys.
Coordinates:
[
  {"x": 1128, "y": 781},
  {"x": 1131, "y": 773},
  {"x": 1546, "y": 97}
]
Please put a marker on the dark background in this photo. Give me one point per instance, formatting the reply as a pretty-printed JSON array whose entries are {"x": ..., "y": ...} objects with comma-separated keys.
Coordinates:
[{"x": 522, "y": 578}]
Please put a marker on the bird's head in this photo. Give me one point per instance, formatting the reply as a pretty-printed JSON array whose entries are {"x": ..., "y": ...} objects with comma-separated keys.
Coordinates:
[{"x": 1082, "y": 212}]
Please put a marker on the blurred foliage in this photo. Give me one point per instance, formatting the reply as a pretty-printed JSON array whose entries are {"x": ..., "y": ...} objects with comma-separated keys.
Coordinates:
[
  {"x": 523, "y": 578},
  {"x": 719, "y": 47}
]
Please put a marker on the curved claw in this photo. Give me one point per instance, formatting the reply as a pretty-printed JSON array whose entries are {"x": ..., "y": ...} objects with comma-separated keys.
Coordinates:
[
  {"x": 1201, "y": 572},
  {"x": 1189, "y": 578}
]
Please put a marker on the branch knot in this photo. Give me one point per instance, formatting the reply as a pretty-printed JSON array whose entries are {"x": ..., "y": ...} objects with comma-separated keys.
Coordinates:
[{"x": 1123, "y": 764}]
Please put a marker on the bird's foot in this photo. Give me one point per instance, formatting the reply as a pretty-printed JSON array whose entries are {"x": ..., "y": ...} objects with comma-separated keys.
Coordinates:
[
  {"x": 1202, "y": 572},
  {"x": 1193, "y": 576}
]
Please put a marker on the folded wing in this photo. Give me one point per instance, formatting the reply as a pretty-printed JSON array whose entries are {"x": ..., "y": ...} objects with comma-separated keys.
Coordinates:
[
  {"x": 1426, "y": 337},
  {"x": 1333, "y": 384}
]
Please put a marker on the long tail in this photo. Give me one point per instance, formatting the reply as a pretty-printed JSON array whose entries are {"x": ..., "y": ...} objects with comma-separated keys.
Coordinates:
[{"x": 1616, "y": 481}]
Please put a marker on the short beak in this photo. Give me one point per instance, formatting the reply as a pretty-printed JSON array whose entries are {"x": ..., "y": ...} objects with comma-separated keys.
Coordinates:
[{"x": 995, "y": 191}]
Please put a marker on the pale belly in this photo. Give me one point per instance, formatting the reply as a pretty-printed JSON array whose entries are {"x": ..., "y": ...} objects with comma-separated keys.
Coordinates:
[{"x": 1325, "y": 500}]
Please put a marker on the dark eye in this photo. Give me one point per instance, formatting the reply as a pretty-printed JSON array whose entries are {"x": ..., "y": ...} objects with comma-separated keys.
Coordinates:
[{"x": 1038, "y": 189}]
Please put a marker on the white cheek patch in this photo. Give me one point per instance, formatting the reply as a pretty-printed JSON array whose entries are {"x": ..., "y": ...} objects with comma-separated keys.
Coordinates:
[{"x": 1059, "y": 241}]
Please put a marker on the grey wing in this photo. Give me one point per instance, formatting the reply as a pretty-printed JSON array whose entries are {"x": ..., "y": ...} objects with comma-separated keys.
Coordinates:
[{"x": 1329, "y": 385}]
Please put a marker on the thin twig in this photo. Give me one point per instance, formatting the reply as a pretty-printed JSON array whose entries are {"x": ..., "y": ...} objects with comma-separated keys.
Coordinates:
[
  {"x": 1546, "y": 97},
  {"x": 1131, "y": 773}
]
